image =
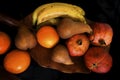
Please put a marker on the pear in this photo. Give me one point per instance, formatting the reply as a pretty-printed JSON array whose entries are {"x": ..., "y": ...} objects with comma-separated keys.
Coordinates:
[
  {"x": 69, "y": 27},
  {"x": 25, "y": 39},
  {"x": 60, "y": 55}
]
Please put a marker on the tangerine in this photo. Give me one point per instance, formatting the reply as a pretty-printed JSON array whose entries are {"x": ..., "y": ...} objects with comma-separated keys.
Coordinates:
[
  {"x": 5, "y": 42},
  {"x": 47, "y": 36},
  {"x": 17, "y": 61}
]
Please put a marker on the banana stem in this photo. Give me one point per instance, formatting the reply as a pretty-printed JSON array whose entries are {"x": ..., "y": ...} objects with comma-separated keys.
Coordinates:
[{"x": 9, "y": 21}]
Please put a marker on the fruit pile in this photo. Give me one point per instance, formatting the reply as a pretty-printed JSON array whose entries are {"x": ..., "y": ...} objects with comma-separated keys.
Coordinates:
[
  {"x": 63, "y": 28},
  {"x": 15, "y": 61},
  {"x": 66, "y": 30},
  {"x": 66, "y": 44}
]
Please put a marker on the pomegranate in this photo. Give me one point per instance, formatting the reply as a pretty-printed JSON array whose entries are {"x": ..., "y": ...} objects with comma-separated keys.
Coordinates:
[
  {"x": 102, "y": 34},
  {"x": 78, "y": 44},
  {"x": 98, "y": 60}
]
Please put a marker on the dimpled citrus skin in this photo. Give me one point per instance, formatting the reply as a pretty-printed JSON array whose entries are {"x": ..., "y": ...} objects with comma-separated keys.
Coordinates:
[
  {"x": 17, "y": 61},
  {"x": 4, "y": 42},
  {"x": 47, "y": 36}
]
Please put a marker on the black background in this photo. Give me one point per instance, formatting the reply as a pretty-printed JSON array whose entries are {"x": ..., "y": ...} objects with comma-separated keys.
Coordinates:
[{"x": 97, "y": 10}]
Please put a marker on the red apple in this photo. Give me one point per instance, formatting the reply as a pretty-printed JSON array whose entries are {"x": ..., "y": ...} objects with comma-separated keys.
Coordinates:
[
  {"x": 98, "y": 60},
  {"x": 102, "y": 34},
  {"x": 78, "y": 44}
]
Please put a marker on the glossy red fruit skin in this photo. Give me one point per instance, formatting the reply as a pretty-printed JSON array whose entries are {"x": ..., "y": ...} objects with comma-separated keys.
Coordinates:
[
  {"x": 78, "y": 44},
  {"x": 102, "y": 34},
  {"x": 98, "y": 60}
]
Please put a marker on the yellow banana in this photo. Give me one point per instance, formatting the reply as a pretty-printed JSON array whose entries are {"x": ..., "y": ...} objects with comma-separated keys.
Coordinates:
[
  {"x": 82, "y": 12},
  {"x": 57, "y": 9},
  {"x": 37, "y": 10}
]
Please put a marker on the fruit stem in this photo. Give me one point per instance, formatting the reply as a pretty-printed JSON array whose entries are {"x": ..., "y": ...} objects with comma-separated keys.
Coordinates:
[
  {"x": 79, "y": 42},
  {"x": 102, "y": 42},
  {"x": 93, "y": 65}
]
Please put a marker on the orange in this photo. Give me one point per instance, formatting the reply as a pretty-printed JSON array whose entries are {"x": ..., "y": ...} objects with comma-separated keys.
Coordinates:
[
  {"x": 16, "y": 61},
  {"x": 4, "y": 42},
  {"x": 47, "y": 36}
]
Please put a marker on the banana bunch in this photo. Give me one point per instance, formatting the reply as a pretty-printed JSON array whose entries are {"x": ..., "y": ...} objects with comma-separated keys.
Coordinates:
[{"x": 57, "y": 9}]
